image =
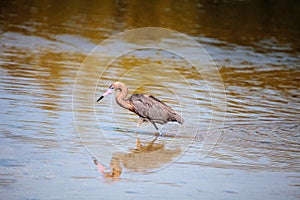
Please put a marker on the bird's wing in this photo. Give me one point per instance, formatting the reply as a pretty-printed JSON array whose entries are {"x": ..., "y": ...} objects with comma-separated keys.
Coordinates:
[{"x": 153, "y": 109}]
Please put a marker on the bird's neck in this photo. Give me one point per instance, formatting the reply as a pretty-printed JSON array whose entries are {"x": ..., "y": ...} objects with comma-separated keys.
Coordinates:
[{"x": 120, "y": 98}]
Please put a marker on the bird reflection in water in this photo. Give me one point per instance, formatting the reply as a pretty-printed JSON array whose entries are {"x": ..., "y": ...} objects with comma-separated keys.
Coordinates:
[
  {"x": 115, "y": 168},
  {"x": 143, "y": 157}
]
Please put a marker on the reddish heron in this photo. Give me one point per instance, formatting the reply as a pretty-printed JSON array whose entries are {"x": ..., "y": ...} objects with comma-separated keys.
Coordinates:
[{"x": 147, "y": 107}]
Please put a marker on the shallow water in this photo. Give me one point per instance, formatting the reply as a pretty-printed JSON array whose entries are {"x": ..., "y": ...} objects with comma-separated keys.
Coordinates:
[{"x": 51, "y": 129}]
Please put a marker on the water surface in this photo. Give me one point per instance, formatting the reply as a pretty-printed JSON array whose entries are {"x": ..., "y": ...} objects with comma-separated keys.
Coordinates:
[{"x": 257, "y": 54}]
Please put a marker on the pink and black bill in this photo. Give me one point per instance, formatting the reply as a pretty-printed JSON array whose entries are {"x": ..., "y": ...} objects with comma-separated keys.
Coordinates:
[{"x": 108, "y": 91}]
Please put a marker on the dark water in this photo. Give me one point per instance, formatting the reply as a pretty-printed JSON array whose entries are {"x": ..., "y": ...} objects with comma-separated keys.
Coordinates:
[{"x": 51, "y": 128}]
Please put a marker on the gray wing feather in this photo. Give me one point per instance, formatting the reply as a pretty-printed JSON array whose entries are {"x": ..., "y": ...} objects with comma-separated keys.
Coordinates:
[{"x": 153, "y": 109}]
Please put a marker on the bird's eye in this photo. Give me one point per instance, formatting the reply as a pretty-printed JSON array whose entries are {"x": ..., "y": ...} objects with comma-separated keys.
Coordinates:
[{"x": 112, "y": 87}]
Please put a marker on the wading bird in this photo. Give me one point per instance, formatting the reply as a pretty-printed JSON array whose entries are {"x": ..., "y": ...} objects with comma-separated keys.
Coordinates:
[{"x": 147, "y": 107}]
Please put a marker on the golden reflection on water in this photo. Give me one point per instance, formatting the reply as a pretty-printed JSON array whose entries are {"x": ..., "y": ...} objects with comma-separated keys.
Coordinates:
[{"x": 235, "y": 22}]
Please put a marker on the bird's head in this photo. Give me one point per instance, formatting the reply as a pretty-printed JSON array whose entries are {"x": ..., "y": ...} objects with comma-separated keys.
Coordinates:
[{"x": 113, "y": 87}]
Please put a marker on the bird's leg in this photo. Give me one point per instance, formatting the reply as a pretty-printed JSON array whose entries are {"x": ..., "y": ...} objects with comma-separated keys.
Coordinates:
[
  {"x": 138, "y": 143},
  {"x": 152, "y": 142},
  {"x": 140, "y": 121},
  {"x": 137, "y": 140},
  {"x": 160, "y": 133}
]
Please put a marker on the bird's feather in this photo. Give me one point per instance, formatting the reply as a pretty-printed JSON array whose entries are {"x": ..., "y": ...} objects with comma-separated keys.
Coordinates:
[{"x": 153, "y": 109}]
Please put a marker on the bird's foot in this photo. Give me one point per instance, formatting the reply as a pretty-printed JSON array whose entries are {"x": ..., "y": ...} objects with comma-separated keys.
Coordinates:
[
  {"x": 138, "y": 143},
  {"x": 158, "y": 133}
]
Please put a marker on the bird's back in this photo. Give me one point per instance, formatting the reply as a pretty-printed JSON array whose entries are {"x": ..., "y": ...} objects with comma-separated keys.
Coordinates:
[{"x": 154, "y": 110}]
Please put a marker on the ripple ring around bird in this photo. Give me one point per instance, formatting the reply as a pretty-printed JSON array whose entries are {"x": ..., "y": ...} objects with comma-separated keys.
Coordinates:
[{"x": 90, "y": 76}]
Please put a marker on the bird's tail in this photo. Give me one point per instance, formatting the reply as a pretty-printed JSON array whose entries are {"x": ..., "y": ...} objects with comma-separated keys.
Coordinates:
[{"x": 178, "y": 118}]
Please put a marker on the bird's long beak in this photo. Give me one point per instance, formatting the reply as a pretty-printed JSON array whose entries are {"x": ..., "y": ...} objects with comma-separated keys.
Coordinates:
[
  {"x": 109, "y": 91},
  {"x": 100, "y": 98}
]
